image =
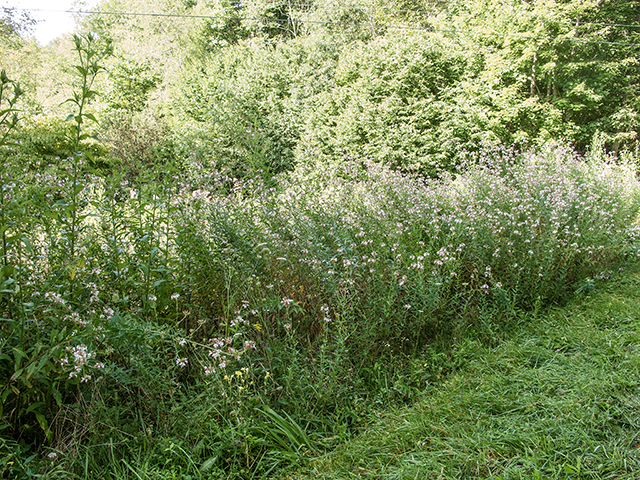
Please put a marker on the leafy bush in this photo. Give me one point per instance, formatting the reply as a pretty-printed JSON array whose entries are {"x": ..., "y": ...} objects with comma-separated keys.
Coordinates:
[
  {"x": 388, "y": 103},
  {"x": 136, "y": 144},
  {"x": 245, "y": 108}
]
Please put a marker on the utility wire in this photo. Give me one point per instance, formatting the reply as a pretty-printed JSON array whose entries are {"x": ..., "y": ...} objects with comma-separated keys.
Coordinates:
[
  {"x": 423, "y": 11},
  {"x": 354, "y": 6},
  {"x": 320, "y": 22},
  {"x": 308, "y": 5},
  {"x": 390, "y": 9},
  {"x": 284, "y": 4},
  {"x": 227, "y": 17}
]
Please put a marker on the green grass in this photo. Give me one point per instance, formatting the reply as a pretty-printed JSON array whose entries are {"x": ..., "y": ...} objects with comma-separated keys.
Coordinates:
[{"x": 558, "y": 398}]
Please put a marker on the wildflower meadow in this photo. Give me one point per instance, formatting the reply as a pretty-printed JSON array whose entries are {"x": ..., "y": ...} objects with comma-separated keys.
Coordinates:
[
  {"x": 204, "y": 323},
  {"x": 231, "y": 300}
]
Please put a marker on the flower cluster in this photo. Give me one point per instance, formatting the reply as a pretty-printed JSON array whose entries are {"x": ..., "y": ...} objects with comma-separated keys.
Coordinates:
[{"x": 80, "y": 356}]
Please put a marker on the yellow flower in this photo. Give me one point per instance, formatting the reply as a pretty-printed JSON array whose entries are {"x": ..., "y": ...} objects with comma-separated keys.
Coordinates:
[{"x": 257, "y": 326}]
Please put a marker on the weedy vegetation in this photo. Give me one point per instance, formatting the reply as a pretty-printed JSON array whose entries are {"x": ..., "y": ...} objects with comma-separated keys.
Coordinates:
[{"x": 263, "y": 308}]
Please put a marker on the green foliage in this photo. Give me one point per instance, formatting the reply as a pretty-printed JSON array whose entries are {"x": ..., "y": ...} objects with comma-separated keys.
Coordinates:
[
  {"x": 222, "y": 29},
  {"x": 194, "y": 323},
  {"x": 41, "y": 142},
  {"x": 244, "y": 110},
  {"x": 31, "y": 379},
  {"x": 344, "y": 22},
  {"x": 485, "y": 74},
  {"x": 90, "y": 57},
  {"x": 416, "y": 86},
  {"x": 255, "y": 273},
  {"x": 555, "y": 399},
  {"x": 137, "y": 143},
  {"x": 570, "y": 64},
  {"x": 130, "y": 85},
  {"x": 389, "y": 104}
]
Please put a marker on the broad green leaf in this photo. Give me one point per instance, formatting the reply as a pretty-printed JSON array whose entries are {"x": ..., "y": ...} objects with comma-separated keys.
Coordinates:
[
  {"x": 27, "y": 243},
  {"x": 34, "y": 406},
  {"x": 57, "y": 396},
  {"x": 44, "y": 424}
]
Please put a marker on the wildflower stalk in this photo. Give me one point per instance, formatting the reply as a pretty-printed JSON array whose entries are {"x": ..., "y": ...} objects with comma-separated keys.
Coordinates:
[
  {"x": 89, "y": 56},
  {"x": 10, "y": 92},
  {"x": 8, "y": 116},
  {"x": 8, "y": 122}
]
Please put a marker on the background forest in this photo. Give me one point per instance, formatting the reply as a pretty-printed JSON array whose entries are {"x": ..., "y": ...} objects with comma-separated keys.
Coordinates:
[
  {"x": 233, "y": 235},
  {"x": 415, "y": 86}
]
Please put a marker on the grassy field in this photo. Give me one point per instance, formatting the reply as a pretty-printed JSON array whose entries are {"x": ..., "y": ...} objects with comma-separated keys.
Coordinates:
[{"x": 559, "y": 397}]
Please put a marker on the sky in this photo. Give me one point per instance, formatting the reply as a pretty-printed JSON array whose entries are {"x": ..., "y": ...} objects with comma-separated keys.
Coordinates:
[{"x": 53, "y": 22}]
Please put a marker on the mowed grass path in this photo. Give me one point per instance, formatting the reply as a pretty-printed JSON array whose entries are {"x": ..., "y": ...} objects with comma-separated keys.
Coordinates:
[{"x": 559, "y": 397}]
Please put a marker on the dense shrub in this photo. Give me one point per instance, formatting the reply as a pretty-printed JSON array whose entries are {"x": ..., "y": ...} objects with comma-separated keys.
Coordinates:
[
  {"x": 244, "y": 109},
  {"x": 388, "y": 103}
]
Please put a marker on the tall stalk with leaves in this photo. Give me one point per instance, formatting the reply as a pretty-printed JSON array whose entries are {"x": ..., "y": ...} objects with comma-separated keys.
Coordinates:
[
  {"x": 40, "y": 216},
  {"x": 90, "y": 54},
  {"x": 17, "y": 357},
  {"x": 10, "y": 208},
  {"x": 10, "y": 92}
]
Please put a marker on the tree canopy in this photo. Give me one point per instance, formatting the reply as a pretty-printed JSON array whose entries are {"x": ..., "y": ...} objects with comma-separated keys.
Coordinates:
[{"x": 414, "y": 84}]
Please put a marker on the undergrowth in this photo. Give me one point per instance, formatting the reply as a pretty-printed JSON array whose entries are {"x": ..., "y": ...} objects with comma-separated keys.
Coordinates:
[
  {"x": 187, "y": 324},
  {"x": 558, "y": 398}
]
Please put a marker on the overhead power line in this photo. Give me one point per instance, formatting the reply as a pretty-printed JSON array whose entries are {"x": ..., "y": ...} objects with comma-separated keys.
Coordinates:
[
  {"x": 228, "y": 17},
  {"x": 258, "y": 19},
  {"x": 324, "y": 22},
  {"x": 387, "y": 8},
  {"x": 356, "y": 6}
]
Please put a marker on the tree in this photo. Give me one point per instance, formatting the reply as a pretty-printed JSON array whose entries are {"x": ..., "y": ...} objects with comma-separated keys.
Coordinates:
[
  {"x": 574, "y": 62},
  {"x": 14, "y": 26}
]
